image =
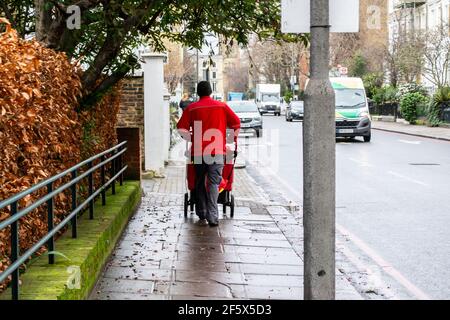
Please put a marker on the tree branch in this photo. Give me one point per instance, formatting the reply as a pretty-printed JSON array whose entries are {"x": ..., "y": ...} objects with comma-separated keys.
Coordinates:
[
  {"x": 8, "y": 14},
  {"x": 95, "y": 96}
]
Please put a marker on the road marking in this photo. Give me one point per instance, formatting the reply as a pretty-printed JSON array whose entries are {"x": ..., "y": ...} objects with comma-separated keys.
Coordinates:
[
  {"x": 361, "y": 163},
  {"x": 385, "y": 265},
  {"x": 374, "y": 278},
  {"x": 410, "y": 142},
  {"x": 398, "y": 175}
]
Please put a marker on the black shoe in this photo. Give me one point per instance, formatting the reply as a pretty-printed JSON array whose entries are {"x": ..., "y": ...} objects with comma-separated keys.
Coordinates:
[
  {"x": 213, "y": 224},
  {"x": 202, "y": 223}
]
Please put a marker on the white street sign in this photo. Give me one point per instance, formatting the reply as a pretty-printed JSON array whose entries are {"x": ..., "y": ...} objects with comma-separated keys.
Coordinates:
[{"x": 295, "y": 16}]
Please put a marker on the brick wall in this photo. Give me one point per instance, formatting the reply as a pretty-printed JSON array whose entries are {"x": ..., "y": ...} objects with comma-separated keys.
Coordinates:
[
  {"x": 371, "y": 41},
  {"x": 131, "y": 113},
  {"x": 374, "y": 41},
  {"x": 133, "y": 155}
]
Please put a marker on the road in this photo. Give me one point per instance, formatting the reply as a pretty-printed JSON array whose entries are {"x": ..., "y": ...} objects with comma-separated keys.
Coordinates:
[{"x": 392, "y": 200}]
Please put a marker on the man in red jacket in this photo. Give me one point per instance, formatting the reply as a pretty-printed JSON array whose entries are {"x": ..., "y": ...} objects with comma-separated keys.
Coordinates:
[{"x": 205, "y": 124}]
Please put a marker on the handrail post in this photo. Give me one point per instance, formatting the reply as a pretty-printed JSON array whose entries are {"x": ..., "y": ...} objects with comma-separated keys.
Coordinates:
[
  {"x": 121, "y": 165},
  {"x": 15, "y": 249},
  {"x": 103, "y": 181},
  {"x": 74, "y": 205},
  {"x": 50, "y": 225},
  {"x": 113, "y": 173},
  {"x": 91, "y": 191}
]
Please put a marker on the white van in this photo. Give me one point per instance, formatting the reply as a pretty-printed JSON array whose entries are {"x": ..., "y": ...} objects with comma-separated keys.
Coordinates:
[{"x": 352, "y": 108}]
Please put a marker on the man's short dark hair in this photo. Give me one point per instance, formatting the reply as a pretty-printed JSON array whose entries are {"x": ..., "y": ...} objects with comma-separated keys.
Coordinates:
[{"x": 204, "y": 89}]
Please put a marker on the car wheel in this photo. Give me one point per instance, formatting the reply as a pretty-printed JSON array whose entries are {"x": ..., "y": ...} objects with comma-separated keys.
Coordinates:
[{"x": 368, "y": 138}]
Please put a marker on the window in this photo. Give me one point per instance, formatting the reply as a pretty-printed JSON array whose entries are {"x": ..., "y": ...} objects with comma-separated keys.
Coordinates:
[
  {"x": 214, "y": 75},
  {"x": 243, "y": 106},
  {"x": 271, "y": 97},
  {"x": 350, "y": 98},
  {"x": 214, "y": 86}
]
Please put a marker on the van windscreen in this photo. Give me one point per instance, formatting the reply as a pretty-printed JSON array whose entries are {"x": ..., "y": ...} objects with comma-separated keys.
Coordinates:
[{"x": 350, "y": 98}]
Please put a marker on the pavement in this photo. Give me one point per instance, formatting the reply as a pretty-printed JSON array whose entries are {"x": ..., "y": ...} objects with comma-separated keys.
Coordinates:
[
  {"x": 414, "y": 130},
  {"x": 256, "y": 255},
  {"x": 391, "y": 241}
]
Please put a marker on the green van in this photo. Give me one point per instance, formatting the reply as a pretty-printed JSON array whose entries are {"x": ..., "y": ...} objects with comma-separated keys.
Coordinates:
[{"x": 352, "y": 109}]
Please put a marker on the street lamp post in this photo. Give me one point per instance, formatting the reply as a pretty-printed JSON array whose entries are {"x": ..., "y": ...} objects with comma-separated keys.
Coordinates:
[{"x": 319, "y": 164}]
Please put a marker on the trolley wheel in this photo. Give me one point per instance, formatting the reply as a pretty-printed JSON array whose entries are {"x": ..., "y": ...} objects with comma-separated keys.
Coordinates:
[
  {"x": 186, "y": 204},
  {"x": 232, "y": 206},
  {"x": 226, "y": 200}
]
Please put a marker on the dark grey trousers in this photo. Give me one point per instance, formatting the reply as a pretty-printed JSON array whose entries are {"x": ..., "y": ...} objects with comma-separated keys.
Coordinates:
[{"x": 206, "y": 200}]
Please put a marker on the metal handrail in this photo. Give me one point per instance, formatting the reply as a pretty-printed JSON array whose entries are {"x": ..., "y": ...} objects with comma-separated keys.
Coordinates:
[
  {"x": 41, "y": 184},
  {"x": 116, "y": 172},
  {"x": 41, "y": 201}
]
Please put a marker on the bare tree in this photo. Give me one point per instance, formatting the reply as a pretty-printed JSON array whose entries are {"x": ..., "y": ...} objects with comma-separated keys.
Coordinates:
[
  {"x": 190, "y": 71},
  {"x": 405, "y": 54},
  {"x": 276, "y": 61},
  {"x": 437, "y": 56},
  {"x": 174, "y": 70},
  {"x": 343, "y": 47},
  {"x": 237, "y": 78}
]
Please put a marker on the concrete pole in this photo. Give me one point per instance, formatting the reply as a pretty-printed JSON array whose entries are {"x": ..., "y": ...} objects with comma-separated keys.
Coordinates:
[
  {"x": 155, "y": 112},
  {"x": 319, "y": 139}
]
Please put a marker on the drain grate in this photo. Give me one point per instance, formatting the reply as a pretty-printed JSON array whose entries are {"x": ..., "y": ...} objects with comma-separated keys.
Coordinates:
[{"x": 424, "y": 164}]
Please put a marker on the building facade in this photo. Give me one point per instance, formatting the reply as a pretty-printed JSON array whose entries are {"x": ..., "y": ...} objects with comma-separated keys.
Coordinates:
[
  {"x": 211, "y": 68},
  {"x": 421, "y": 17},
  {"x": 417, "y": 14}
]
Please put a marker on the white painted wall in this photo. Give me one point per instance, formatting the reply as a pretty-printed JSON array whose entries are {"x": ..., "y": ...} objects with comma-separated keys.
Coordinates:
[{"x": 156, "y": 112}]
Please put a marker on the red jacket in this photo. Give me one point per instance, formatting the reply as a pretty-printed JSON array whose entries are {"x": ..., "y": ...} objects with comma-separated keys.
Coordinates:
[{"x": 206, "y": 122}]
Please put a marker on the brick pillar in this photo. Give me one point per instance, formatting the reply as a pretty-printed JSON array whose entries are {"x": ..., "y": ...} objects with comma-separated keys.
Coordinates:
[
  {"x": 131, "y": 114},
  {"x": 132, "y": 156}
]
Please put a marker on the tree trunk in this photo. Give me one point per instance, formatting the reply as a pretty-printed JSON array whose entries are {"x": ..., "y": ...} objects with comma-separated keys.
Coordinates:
[{"x": 43, "y": 21}]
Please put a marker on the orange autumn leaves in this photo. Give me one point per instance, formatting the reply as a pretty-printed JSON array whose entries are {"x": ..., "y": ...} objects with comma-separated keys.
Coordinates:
[
  {"x": 40, "y": 131},
  {"x": 41, "y": 134}
]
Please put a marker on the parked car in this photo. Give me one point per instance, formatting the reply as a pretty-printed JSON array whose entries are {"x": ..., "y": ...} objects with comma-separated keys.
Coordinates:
[
  {"x": 251, "y": 119},
  {"x": 295, "y": 111}
]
